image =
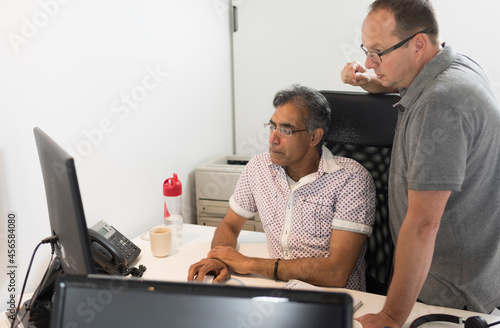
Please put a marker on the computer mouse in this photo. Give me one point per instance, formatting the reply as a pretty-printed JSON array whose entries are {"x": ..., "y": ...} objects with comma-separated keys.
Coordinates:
[
  {"x": 208, "y": 279},
  {"x": 234, "y": 282}
]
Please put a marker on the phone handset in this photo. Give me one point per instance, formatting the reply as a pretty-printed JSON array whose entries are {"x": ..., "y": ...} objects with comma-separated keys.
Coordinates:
[{"x": 110, "y": 248}]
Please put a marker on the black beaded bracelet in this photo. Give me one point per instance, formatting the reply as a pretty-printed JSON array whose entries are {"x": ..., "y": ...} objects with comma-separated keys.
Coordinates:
[{"x": 276, "y": 269}]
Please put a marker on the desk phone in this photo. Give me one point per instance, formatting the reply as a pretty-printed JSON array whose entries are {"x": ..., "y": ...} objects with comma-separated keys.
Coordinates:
[{"x": 111, "y": 248}]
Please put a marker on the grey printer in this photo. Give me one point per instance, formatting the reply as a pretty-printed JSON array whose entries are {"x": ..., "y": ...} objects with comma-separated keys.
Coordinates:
[{"x": 215, "y": 183}]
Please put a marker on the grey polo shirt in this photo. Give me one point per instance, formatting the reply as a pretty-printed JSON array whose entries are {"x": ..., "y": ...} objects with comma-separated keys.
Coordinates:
[{"x": 448, "y": 138}]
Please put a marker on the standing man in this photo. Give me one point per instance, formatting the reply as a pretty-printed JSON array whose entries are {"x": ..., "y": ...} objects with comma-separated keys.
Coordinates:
[
  {"x": 316, "y": 209},
  {"x": 444, "y": 183}
]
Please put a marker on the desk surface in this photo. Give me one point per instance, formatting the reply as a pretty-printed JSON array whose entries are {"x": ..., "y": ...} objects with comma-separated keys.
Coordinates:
[{"x": 196, "y": 245}]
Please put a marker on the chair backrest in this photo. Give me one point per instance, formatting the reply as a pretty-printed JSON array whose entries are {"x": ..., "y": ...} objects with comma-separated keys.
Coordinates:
[{"x": 362, "y": 128}]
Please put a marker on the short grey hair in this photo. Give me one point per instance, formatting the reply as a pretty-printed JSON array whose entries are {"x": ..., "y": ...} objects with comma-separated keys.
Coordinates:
[
  {"x": 411, "y": 17},
  {"x": 316, "y": 105}
]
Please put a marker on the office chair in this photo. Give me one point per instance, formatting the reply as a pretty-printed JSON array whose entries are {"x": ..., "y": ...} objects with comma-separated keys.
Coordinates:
[{"x": 362, "y": 128}]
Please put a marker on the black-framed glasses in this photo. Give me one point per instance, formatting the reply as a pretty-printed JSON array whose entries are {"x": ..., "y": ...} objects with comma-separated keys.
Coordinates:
[
  {"x": 284, "y": 131},
  {"x": 375, "y": 56}
]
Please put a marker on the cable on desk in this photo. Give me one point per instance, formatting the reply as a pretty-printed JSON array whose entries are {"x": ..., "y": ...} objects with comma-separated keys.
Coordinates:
[
  {"x": 122, "y": 270},
  {"x": 52, "y": 240}
]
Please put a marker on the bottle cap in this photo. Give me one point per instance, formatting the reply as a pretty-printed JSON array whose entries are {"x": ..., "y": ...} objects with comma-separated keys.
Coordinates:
[{"x": 172, "y": 187}]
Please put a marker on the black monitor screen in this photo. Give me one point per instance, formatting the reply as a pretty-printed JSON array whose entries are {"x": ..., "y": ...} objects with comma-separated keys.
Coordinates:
[
  {"x": 67, "y": 219},
  {"x": 113, "y": 302}
]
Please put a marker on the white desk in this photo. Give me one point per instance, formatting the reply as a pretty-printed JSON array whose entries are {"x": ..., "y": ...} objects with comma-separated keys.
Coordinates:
[
  {"x": 197, "y": 241},
  {"x": 196, "y": 245}
]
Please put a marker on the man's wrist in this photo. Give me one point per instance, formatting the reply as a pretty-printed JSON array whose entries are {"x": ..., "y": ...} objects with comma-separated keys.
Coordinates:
[
  {"x": 254, "y": 265},
  {"x": 389, "y": 317}
]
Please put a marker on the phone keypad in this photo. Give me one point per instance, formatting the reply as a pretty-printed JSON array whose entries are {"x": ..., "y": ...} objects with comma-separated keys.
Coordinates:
[{"x": 129, "y": 249}]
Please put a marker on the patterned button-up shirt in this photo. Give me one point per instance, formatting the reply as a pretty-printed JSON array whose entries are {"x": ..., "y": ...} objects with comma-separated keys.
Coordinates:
[{"x": 298, "y": 220}]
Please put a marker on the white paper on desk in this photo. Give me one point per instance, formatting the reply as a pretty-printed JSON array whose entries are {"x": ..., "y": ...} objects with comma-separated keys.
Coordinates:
[{"x": 299, "y": 284}]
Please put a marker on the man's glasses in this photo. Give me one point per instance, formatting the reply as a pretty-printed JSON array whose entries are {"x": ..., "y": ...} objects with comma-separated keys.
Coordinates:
[
  {"x": 375, "y": 56},
  {"x": 281, "y": 130}
]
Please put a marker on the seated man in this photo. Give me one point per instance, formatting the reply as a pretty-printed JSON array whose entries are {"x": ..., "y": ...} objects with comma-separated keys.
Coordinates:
[{"x": 316, "y": 209}]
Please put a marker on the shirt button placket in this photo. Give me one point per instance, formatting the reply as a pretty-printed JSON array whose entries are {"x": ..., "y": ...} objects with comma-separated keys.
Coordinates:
[{"x": 286, "y": 228}]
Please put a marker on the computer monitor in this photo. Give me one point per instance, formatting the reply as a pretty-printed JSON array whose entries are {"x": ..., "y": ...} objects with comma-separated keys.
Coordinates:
[
  {"x": 67, "y": 224},
  {"x": 107, "y": 301},
  {"x": 66, "y": 215}
]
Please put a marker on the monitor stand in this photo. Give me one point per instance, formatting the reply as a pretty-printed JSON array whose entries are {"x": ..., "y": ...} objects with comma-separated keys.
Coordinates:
[{"x": 37, "y": 311}]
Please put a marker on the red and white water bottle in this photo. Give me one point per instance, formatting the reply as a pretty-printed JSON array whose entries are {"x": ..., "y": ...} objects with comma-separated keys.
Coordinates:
[{"x": 172, "y": 208}]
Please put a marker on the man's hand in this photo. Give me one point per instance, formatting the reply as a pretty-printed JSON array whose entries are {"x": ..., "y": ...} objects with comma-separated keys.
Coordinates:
[
  {"x": 226, "y": 234},
  {"x": 200, "y": 269},
  {"x": 232, "y": 258},
  {"x": 355, "y": 74},
  {"x": 379, "y": 320}
]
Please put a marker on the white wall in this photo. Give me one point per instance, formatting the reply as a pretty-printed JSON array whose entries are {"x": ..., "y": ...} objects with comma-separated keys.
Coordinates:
[
  {"x": 134, "y": 90},
  {"x": 68, "y": 66},
  {"x": 282, "y": 42}
]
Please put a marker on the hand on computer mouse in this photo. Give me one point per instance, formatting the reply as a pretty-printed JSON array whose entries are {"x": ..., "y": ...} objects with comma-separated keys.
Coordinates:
[{"x": 199, "y": 270}]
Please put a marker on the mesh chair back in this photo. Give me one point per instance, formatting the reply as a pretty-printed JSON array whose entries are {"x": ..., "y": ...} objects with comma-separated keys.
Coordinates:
[{"x": 362, "y": 128}]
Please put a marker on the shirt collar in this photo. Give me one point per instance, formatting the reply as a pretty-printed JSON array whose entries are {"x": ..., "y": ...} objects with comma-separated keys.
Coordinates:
[
  {"x": 330, "y": 163},
  {"x": 430, "y": 71}
]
